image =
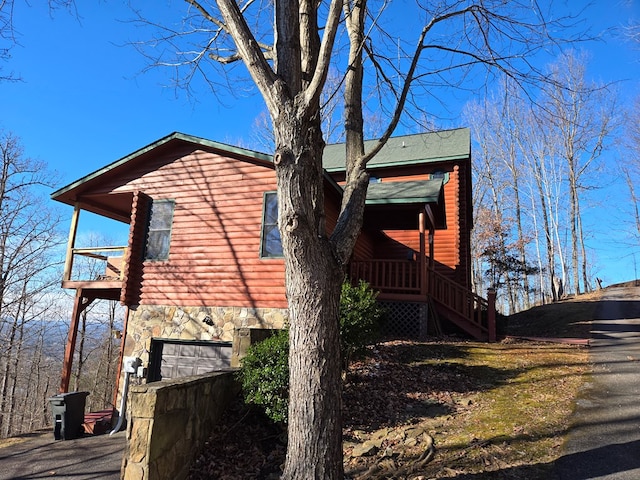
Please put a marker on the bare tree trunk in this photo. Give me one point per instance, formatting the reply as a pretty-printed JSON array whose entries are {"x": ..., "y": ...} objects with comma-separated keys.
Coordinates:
[
  {"x": 511, "y": 118},
  {"x": 11, "y": 407},
  {"x": 634, "y": 199},
  {"x": 546, "y": 225},
  {"x": 313, "y": 280},
  {"x": 6, "y": 378},
  {"x": 573, "y": 199},
  {"x": 583, "y": 255},
  {"x": 34, "y": 383}
]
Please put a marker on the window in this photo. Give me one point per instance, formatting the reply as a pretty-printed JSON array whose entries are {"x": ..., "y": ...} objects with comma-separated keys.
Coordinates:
[
  {"x": 270, "y": 244},
  {"x": 159, "y": 234}
]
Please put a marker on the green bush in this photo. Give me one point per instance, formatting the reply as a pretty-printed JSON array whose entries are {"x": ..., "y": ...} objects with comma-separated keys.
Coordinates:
[
  {"x": 360, "y": 318},
  {"x": 265, "y": 375}
]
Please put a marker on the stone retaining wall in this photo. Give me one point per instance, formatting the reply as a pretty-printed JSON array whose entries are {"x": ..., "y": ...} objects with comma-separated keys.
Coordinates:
[{"x": 170, "y": 421}]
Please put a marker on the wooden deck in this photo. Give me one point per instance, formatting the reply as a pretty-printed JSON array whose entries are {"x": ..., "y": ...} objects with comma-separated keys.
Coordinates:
[
  {"x": 97, "y": 271},
  {"x": 407, "y": 280}
]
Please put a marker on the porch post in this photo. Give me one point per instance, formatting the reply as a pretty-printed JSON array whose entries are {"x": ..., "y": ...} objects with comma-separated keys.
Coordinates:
[
  {"x": 71, "y": 242},
  {"x": 431, "y": 252},
  {"x": 80, "y": 303},
  {"x": 491, "y": 314},
  {"x": 432, "y": 231},
  {"x": 423, "y": 257}
]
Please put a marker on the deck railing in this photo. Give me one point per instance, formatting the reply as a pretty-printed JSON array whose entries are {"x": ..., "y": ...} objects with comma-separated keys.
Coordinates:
[
  {"x": 402, "y": 278},
  {"x": 392, "y": 276},
  {"x": 95, "y": 264}
]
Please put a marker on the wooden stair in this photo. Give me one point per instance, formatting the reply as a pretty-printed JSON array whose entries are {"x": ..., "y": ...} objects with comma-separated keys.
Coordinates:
[{"x": 470, "y": 312}]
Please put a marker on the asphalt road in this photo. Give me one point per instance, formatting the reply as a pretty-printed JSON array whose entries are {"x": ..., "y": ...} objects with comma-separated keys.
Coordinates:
[
  {"x": 604, "y": 441},
  {"x": 39, "y": 456}
]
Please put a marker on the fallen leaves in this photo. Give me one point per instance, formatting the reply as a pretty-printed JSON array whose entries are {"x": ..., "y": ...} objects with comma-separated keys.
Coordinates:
[{"x": 484, "y": 407}]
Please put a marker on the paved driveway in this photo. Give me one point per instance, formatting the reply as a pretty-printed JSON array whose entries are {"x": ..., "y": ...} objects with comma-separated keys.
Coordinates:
[
  {"x": 38, "y": 456},
  {"x": 604, "y": 442}
]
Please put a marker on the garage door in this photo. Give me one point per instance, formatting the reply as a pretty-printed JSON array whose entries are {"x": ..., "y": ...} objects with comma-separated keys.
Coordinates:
[{"x": 184, "y": 358}]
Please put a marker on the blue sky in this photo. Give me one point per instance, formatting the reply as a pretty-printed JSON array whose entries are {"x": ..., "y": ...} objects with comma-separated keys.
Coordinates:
[{"x": 84, "y": 101}]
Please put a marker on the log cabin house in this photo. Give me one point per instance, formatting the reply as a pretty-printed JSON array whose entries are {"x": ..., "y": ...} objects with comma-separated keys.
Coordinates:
[{"x": 203, "y": 257}]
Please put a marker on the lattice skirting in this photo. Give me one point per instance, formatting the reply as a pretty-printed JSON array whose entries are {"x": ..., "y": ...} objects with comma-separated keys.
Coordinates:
[{"x": 406, "y": 320}]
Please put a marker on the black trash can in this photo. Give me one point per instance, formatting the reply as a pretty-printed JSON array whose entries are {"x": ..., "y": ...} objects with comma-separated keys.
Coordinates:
[{"x": 68, "y": 414}]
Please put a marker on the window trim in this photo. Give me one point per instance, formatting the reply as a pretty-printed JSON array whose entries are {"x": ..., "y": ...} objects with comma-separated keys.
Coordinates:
[
  {"x": 169, "y": 231},
  {"x": 264, "y": 225}
]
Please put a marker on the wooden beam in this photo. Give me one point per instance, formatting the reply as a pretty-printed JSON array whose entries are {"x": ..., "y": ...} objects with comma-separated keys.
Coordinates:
[
  {"x": 423, "y": 254},
  {"x": 81, "y": 302},
  {"x": 71, "y": 241},
  {"x": 97, "y": 285},
  {"x": 432, "y": 219},
  {"x": 432, "y": 230}
]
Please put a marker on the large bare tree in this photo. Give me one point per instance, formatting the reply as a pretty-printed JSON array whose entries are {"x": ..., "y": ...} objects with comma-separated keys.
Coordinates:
[
  {"x": 581, "y": 117},
  {"x": 394, "y": 55},
  {"x": 28, "y": 236}
]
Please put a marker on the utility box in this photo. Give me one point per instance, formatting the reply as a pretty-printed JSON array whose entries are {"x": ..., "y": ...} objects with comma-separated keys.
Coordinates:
[{"x": 68, "y": 414}]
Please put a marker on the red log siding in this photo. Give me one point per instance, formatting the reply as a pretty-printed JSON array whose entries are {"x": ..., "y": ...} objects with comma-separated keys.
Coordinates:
[
  {"x": 451, "y": 249},
  {"x": 214, "y": 257},
  {"x": 364, "y": 246}
]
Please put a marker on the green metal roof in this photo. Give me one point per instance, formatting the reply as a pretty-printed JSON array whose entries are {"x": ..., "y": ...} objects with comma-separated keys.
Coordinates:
[
  {"x": 408, "y": 150},
  {"x": 416, "y": 191},
  {"x": 169, "y": 138}
]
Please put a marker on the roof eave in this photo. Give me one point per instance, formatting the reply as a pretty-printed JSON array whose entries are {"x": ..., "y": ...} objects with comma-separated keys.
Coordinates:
[
  {"x": 402, "y": 201},
  {"x": 255, "y": 156},
  {"x": 373, "y": 166}
]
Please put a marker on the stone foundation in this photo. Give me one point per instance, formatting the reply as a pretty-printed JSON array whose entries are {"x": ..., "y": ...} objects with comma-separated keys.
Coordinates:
[{"x": 194, "y": 323}]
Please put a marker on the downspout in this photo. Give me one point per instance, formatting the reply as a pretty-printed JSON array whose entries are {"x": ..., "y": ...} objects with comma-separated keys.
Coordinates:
[
  {"x": 119, "y": 372},
  {"x": 130, "y": 366},
  {"x": 121, "y": 355},
  {"x": 123, "y": 404}
]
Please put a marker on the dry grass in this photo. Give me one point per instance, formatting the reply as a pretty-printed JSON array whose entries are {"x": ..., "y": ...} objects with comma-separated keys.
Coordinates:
[
  {"x": 504, "y": 408},
  {"x": 516, "y": 425}
]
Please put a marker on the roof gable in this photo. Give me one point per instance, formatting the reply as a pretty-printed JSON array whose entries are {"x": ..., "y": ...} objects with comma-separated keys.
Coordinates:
[{"x": 113, "y": 168}]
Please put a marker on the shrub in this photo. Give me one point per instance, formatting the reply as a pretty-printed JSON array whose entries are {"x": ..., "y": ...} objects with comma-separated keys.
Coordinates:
[
  {"x": 265, "y": 375},
  {"x": 360, "y": 318}
]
